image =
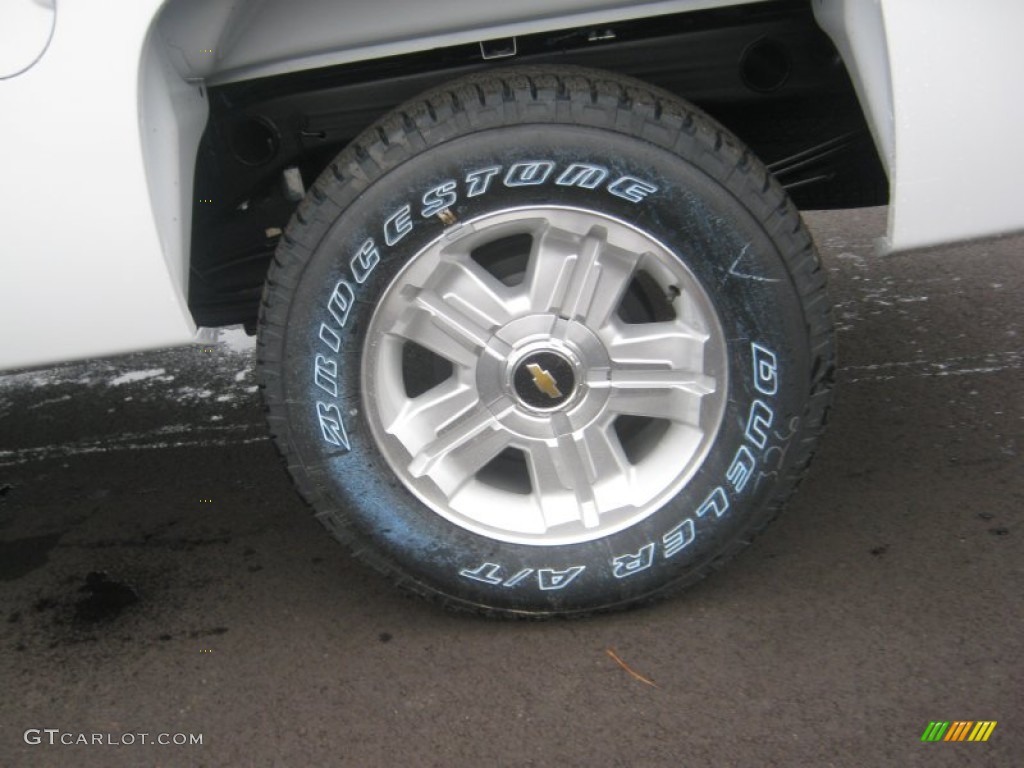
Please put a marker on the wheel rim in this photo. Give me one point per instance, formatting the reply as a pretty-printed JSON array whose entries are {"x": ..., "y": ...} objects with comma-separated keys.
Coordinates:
[{"x": 544, "y": 375}]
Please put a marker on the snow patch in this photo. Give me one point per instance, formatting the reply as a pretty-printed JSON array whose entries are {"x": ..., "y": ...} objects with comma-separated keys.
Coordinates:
[
  {"x": 191, "y": 392},
  {"x": 236, "y": 340},
  {"x": 132, "y": 376},
  {"x": 50, "y": 401}
]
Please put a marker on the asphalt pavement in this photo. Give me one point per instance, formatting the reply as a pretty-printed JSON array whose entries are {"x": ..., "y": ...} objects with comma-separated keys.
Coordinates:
[{"x": 159, "y": 576}]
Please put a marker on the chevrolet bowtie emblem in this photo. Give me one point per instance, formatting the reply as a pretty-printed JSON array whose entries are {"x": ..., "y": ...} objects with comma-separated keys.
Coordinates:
[{"x": 544, "y": 381}]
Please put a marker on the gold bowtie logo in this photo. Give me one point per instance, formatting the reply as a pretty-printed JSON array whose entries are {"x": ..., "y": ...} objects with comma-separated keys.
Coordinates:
[{"x": 544, "y": 381}]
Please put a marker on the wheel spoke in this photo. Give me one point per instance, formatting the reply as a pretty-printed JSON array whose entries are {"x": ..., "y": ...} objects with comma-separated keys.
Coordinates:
[
  {"x": 579, "y": 278},
  {"x": 601, "y": 456},
  {"x": 461, "y": 450},
  {"x": 656, "y": 393},
  {"x": 420, "y": 419},
  {"x": 648, "y": 379},
  {"x": 670, "y": 343},
  {"x": 565, "y": 473},
  {"x": 550, "y": 268},
  {"x": 551, "y": 487},
  {"x": 464, "y": 284},
  {"x": 444, "y": 329},
  {"x": 599, "y": 280},
  {"x": 560, "y": 483}
]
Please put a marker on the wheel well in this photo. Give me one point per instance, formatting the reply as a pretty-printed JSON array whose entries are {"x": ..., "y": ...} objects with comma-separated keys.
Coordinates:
[{"x": 766, "y": 71}]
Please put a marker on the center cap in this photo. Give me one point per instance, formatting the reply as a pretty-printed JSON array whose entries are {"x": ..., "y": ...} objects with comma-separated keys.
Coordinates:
[{"x": 544, "y": 380}]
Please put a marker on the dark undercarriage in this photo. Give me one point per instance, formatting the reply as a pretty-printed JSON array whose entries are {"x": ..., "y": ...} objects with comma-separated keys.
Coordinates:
[{"x": 766, "y": 71}]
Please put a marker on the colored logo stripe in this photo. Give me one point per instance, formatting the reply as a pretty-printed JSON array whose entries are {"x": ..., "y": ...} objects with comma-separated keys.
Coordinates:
[
  {"x": 958, "y": 730},
  {"x": 982, "y": 730}
]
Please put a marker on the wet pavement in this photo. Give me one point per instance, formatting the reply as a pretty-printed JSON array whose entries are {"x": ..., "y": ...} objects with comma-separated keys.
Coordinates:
[{"x": 158, "y": 575}]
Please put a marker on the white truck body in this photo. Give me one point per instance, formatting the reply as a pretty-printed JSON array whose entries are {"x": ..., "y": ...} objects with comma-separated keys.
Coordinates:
[{"x": 102, "y": 111}]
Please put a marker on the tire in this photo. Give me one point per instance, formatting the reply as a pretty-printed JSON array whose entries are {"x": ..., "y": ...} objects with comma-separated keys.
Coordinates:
[{"x": 546, "y": 342}]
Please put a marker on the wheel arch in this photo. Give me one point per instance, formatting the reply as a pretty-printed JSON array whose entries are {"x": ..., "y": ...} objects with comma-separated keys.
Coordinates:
[
  {"x": 224, "y": 41},
  {"x": 288, "y": 97}
]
